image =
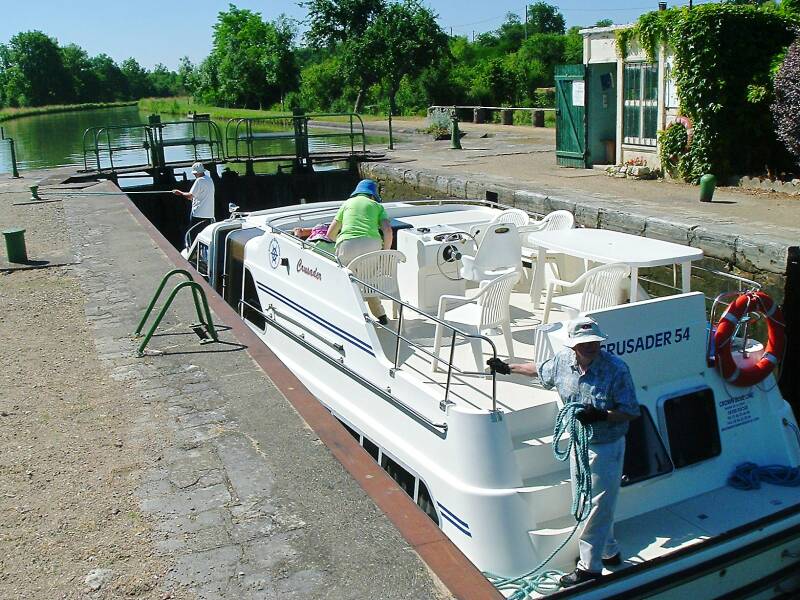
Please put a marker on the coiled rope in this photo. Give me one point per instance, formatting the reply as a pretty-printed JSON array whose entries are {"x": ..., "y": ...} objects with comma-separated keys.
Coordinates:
[
  {"x": 748, "y": 476},
  {"x": 579, "y": 435}
]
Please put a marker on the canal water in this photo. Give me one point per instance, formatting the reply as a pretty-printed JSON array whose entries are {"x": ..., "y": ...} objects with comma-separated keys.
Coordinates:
[{"x": 56, "y": 140}]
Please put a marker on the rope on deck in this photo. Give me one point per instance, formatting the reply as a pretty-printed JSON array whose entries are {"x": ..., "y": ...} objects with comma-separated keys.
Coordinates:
[{"x": 547, "y": 581}]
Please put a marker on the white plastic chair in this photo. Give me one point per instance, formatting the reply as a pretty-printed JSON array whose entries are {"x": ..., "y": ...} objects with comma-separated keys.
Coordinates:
[
  {"x": 511, "y": 215},
  {"x": 498, "y": 253},
  {"x": 602, "y": 287},
  {"x": 489, "y": 308},
  {"x": 378, "y": 269},
  {"x": 556, "y": 220}
]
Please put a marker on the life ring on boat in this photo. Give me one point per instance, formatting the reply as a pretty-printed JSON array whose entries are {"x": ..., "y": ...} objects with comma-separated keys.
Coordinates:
[{"x": 726, "y": 327}]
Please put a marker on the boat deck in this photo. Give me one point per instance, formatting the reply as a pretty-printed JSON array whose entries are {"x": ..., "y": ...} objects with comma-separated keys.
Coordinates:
[
  {"x": 677, "y": 526},
  {"x": 514, "y": 392}
]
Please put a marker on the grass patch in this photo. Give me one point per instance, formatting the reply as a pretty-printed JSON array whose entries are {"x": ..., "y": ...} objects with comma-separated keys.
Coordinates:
[
  {"x": 6, "y": 114},
  {"x": 183, "y": 105}
]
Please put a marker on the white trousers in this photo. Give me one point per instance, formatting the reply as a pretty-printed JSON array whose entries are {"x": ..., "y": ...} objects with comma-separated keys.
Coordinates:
[
  {"x": 597, "y": 541},
  {"x": 347, "y": 250}
]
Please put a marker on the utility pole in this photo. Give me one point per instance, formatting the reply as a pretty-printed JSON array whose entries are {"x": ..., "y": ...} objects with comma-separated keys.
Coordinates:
[{"x": 526, "y": 20}]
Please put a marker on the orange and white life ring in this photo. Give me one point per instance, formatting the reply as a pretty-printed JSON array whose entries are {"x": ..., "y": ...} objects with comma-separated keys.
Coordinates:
[{"x": 723, "y": 336}]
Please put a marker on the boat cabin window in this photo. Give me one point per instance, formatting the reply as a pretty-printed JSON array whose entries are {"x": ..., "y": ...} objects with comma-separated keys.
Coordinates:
[
  {"x": 645, "y": 454},
  {"x": 692, "y": 429},
  {"x": 425, "y": 502},
  {"x": 251, "y": 309},
  {"x": 411, "y": 485},
  {"x": 202, "y": 259},
  {"x": 403, "y": 478},
  {"x": 372, "y": 448}
]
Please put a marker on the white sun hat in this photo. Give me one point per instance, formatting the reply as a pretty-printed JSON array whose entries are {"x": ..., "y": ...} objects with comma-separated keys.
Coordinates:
[{"x": 583, "y": 330}]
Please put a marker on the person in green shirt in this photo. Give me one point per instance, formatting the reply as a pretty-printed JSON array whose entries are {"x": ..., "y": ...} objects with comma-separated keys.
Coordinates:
[{"x": 362, "y": 226}]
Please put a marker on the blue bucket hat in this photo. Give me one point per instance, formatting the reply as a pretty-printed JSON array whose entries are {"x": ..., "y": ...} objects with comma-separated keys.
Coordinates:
[{"x": 368, "y": 187}]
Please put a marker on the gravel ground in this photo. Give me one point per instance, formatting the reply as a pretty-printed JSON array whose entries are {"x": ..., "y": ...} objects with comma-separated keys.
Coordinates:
[{"x": 73, "y": 442}]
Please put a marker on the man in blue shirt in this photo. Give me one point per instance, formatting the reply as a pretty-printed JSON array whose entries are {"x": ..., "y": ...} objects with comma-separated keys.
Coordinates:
[{"x": 584, "y": 373}]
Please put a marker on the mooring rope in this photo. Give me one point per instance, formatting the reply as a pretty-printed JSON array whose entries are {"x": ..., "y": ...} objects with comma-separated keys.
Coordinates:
[
  {"x": 748, "y": 476},
  {"x": 579, "y": 435},
  {"x": 82, "y": 193}
]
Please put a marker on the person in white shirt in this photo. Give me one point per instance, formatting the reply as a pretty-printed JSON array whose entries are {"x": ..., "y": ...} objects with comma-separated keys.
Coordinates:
[{"x": 201, "y": 196}]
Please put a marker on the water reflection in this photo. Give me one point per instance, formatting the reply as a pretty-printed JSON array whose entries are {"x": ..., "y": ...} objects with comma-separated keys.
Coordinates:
[{"x": 55, "y": 140}]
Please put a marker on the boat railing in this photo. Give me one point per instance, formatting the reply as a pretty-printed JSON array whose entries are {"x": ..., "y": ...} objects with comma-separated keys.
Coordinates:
[
  {"x": 742, "y": 283},
  {"x": 454, "y": 334},
  {"x": 328, "y": 210},
  {"x": 440, "y": 428}
]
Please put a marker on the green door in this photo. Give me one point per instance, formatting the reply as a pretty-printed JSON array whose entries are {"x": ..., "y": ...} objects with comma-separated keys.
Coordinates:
[{"x": 571, "y": 116}]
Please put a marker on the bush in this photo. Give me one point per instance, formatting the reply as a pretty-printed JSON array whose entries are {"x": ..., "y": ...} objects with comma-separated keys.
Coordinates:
[
  {"x": 673, "y": 142},
  {"x": 544, "y": 98},
  {"x": 786, "y": 107},
  {"x": 523, "y": 117}
]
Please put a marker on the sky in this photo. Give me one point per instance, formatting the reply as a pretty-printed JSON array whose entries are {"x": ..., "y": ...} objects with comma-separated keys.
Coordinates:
[{"x": 162, "y": 32}]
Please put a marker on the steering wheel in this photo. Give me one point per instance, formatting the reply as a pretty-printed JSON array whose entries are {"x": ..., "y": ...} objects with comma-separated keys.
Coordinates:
[{"x": 449, "y": 252}]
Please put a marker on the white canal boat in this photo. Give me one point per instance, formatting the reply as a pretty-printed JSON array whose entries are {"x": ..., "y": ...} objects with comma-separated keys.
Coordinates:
[{"x": 475, "y": 451}]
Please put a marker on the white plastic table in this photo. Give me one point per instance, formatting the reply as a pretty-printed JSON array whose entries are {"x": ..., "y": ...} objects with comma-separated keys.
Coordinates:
[{"x": 604, "y": 246}]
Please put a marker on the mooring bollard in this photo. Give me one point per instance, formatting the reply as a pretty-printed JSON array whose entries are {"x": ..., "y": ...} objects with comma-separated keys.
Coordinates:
[
  {"x": 34, "y": 193},
  {"x": 707, "y": 184},
  {"x": 14, "y": 170},
  {"x": 455, "y": 134},
  {"x": 15, "y": 245}
]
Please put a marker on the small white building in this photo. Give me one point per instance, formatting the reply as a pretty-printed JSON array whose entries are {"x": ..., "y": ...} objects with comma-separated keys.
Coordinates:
[{"x": 618, "y": 104}]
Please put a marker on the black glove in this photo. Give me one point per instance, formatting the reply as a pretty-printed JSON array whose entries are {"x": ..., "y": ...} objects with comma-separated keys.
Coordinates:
[
  {"x": 498, "y": 366},
  {"x": 590, "y": 414}
]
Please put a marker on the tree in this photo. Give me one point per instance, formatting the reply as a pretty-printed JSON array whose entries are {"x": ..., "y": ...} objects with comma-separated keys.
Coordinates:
[
  {"x": 33, "y": 71},
  {"x": 786, "y": 107},
  {"x": 111, "y": 83},
  {"x": 83, "y": 81},
  {"x": 604, "y": 23},
  {"x": 138, "y": 83},
  {"x": 511, "y": 34},
  {"x": 545, "y": 18},
  {"x": 187, "y": 76},
  {"x": 497, "y": 82},
  {"x": 341, "y": 25},
  {"x": 251, "y": 60},
  {"x": 279, "y": 61},
  {"x": 162, "y": 81},
  {"x": 402, "y": 41},
  {"x": 321, "y": 84},
  {"x": 335, "y": 21}
]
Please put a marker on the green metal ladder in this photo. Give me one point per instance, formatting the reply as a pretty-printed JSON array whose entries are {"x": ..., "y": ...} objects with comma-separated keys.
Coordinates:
[{"x": 204, "y": 328}]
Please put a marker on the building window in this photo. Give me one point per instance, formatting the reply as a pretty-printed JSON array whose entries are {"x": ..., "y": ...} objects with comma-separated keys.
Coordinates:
[{"x": 640, "y": 110}]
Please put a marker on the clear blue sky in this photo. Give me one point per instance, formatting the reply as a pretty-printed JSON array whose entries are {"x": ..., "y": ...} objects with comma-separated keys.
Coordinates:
[{"x": 154, "y": 32}]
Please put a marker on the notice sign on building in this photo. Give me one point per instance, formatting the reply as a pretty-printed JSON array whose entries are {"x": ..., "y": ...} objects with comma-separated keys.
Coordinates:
[{"x": 578, "y": 93}]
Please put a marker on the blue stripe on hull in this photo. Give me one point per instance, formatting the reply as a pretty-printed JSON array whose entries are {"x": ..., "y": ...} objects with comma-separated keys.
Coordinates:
[{"x": 360, "y": 344}]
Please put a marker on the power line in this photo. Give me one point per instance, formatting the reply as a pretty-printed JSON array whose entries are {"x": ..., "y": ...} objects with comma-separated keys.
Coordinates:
[{"x": 503, "y": 16}]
